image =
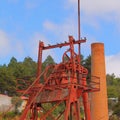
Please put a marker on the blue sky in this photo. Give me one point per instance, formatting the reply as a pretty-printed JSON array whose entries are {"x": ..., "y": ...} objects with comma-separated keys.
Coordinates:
[{"x": 24, "y": 22}]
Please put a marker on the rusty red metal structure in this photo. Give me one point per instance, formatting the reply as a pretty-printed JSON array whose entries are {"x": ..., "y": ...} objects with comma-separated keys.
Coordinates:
[{"x": 61, "y": 84}]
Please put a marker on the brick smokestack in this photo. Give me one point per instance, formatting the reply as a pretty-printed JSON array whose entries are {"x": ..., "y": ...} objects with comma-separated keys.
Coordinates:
[{"x": 99, "y": 104}]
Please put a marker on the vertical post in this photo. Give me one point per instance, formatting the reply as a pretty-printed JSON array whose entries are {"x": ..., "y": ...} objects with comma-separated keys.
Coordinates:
[
  {"x": 99, "y": 105},
  {"x": 79, "y": 51},
  {"x": 72, "y": 57},
  {"x": 41, "y": 45},
  {"x": 86, "y": 102},
  {"x": 78, "y": 19}
]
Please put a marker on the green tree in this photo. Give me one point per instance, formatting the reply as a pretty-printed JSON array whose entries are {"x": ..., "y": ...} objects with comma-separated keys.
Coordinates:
[
  {"x": 110, "y": 79},
  {"x": 112, "y": 92},
  {"x": 48, "y": 61},
  {"x": 113, "y": 84},
  {"x": 15, "y": 67},
  {"x": 29, "y": 66},
  {"x": 87, "y": 64},
  {"x": 82, "y": 59},
  {"x": 7, "y": 82},
  {"x": 13, "y": 62},
  {"x": 116, "y": 108}
]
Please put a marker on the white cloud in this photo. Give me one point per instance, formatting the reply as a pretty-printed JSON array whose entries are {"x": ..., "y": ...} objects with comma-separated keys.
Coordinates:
[
  {"x": 31, "y": 4},
  {"x": 100, "y": 7},
  {"x": 69, "y": 27},
  {"x": 97, "y": 7},
  {"x": 34, "y": 46},
  {"x": 5, "y": 45},
  {"x": 95, "y": 10},
  {"x": 50, "y": 26},
  {"x": 113, "y": 64},
  {"x": 92, "y": 12},
  {"x": 62, "y": 30},
  {"x": 9, "y": 46}
]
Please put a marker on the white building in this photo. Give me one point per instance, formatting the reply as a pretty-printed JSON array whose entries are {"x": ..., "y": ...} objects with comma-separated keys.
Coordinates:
[{"x": 5, "y": 103}]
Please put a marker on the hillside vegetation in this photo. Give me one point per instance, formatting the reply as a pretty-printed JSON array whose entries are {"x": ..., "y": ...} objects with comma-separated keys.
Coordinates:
[{"x": 27, "y": 69}]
